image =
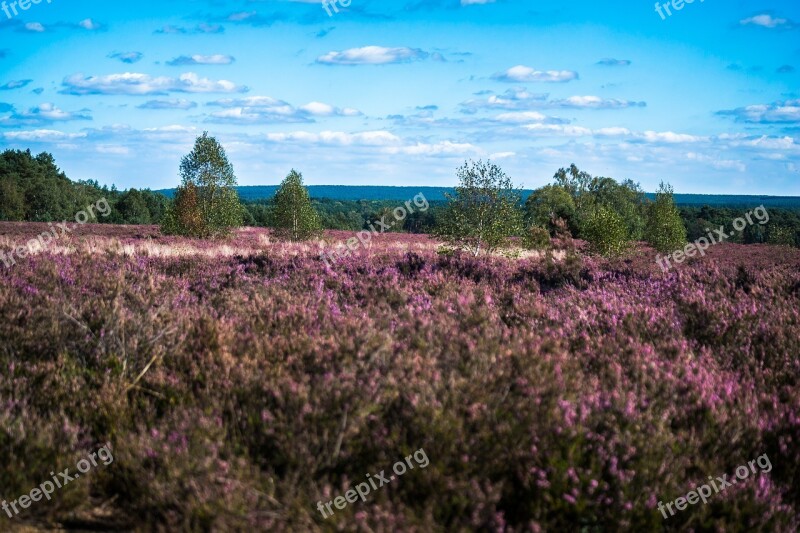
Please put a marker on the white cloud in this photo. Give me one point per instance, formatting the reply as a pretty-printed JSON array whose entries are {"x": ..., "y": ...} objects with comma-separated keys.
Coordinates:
[
  {"x": 42, "y": 114},
  {"x": 521, "y": 73},
  {"x": 265, "y": 109},
  {"x": 558, "y": 129},
  {"x": 132, "y": 83},
  {"x": 670, "y": 137},
  {"x": 720, "y": 164},
  {"x": 521, "y": 99},
  {"x": 173, "y": 103},
  {"x": 787, "y": 112},
  {"x": 41, "y": 136},
  {"x": 440, "y": 148},
  {"x": 372, "y": 55},
  {"x": 522, "y": 116},
  {"x": 766, "y": 21},
  {"x": 89, "y": 24},
  {"x": 197, "y": 59}
]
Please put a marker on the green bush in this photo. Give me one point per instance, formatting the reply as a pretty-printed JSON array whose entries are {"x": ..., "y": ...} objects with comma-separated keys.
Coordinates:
[
  {"x": 781, "y": 236},
  {"x": 664, "y": 230},
  {"x": 605, "y": 231},
  {"x": 548, "y": 204},
  {"x": 536, "y": 238}
]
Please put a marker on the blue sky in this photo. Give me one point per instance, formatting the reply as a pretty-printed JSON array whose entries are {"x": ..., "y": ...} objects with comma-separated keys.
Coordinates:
[{"x": 401, "y": 93}]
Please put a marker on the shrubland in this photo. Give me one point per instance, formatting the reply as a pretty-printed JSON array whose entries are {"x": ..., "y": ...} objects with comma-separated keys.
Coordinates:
[{"x": 555, "y": 391}]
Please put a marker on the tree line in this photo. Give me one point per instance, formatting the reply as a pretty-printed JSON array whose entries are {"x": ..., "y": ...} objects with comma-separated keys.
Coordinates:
[
  {"x": 34, "y": 189},
  {"x": 485, "y": 212}
]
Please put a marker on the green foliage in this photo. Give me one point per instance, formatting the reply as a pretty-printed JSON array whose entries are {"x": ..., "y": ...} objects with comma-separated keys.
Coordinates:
[
  {"x": 573, "y": 180},
  {"x": 184, "y": 216},
  {"x": 294, "y": 216},
  {"x": 588, "y": 193},
  {"x": 484, "y": 212},
  {"x": 549, "y": 203},
  {"x": 664, "y": 230},
  {"x": 34, "y": 189},
  {"x": 132, "y": 208},
  {"x": 206, "y": 204},
  {"x": 605, "y": 231},
  {"x": 351, "y": 215},
  {"x": 12, "y": 201},
  {"x": 627, "y": 199},
  {"x": 781, "y": 236},
  {"x": 38, "y": 191},
  {"x": 698, "y": 219},
  {"x": 536, "y": 238}
]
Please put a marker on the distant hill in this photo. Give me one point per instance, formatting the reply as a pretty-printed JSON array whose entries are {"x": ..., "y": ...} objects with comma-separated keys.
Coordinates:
[{"x": 433, "y": 194}]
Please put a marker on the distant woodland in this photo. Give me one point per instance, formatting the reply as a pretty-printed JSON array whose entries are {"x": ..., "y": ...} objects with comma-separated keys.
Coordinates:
[{"x": 34, "y": 189}]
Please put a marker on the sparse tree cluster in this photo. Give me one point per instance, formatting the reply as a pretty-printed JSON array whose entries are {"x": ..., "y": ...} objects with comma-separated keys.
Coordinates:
[
  {"x": 484, "y": 214},
  {"x": 607, "y": 214},
  {"x": 206, "y": 204}
]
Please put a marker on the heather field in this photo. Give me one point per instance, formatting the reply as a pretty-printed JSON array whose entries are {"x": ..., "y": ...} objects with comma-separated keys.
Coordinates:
[{"x": 240, "y": 382}]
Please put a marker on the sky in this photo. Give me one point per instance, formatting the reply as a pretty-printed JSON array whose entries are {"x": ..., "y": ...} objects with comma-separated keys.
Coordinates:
[{"x": 706, "y": 97}]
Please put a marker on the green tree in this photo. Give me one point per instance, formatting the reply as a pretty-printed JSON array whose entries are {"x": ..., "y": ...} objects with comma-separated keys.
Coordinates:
[
  {"x": 605, "y": 231},
  {"x": 626, "y": 198},
  {"x": 549, "y": 203},
  {"x": 484, "y": 212},
  {"x": 664, "y": 229},
  {"x": 12, "y": 202},
  {"x": 294, "y": 216},
  {"x": 131, "y": 208},
  {"x": 208, "y": 187},
  {"x": 183, "y": 216},
  {"x": 573, "y": 180},
  {"x": 156, "y": 205},
  {"x": 780, "y": 236}
]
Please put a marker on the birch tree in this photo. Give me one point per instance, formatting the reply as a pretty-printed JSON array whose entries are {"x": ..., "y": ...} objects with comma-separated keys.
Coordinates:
[
  {"x": 484, "y": 212},
  {"x": 294, "y": 217}
]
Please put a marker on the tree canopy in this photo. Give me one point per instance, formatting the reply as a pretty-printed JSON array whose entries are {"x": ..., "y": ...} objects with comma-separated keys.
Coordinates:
[
  {"x": 206, "y": 204},
  {"x": 484, "y": 212},
  {"x": 294, "y": 217}
]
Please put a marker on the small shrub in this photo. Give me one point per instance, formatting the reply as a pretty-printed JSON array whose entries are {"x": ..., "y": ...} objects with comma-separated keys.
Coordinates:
[
  {"x": 411, "y": 265},
  {"x": 536, "y": 238}
]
